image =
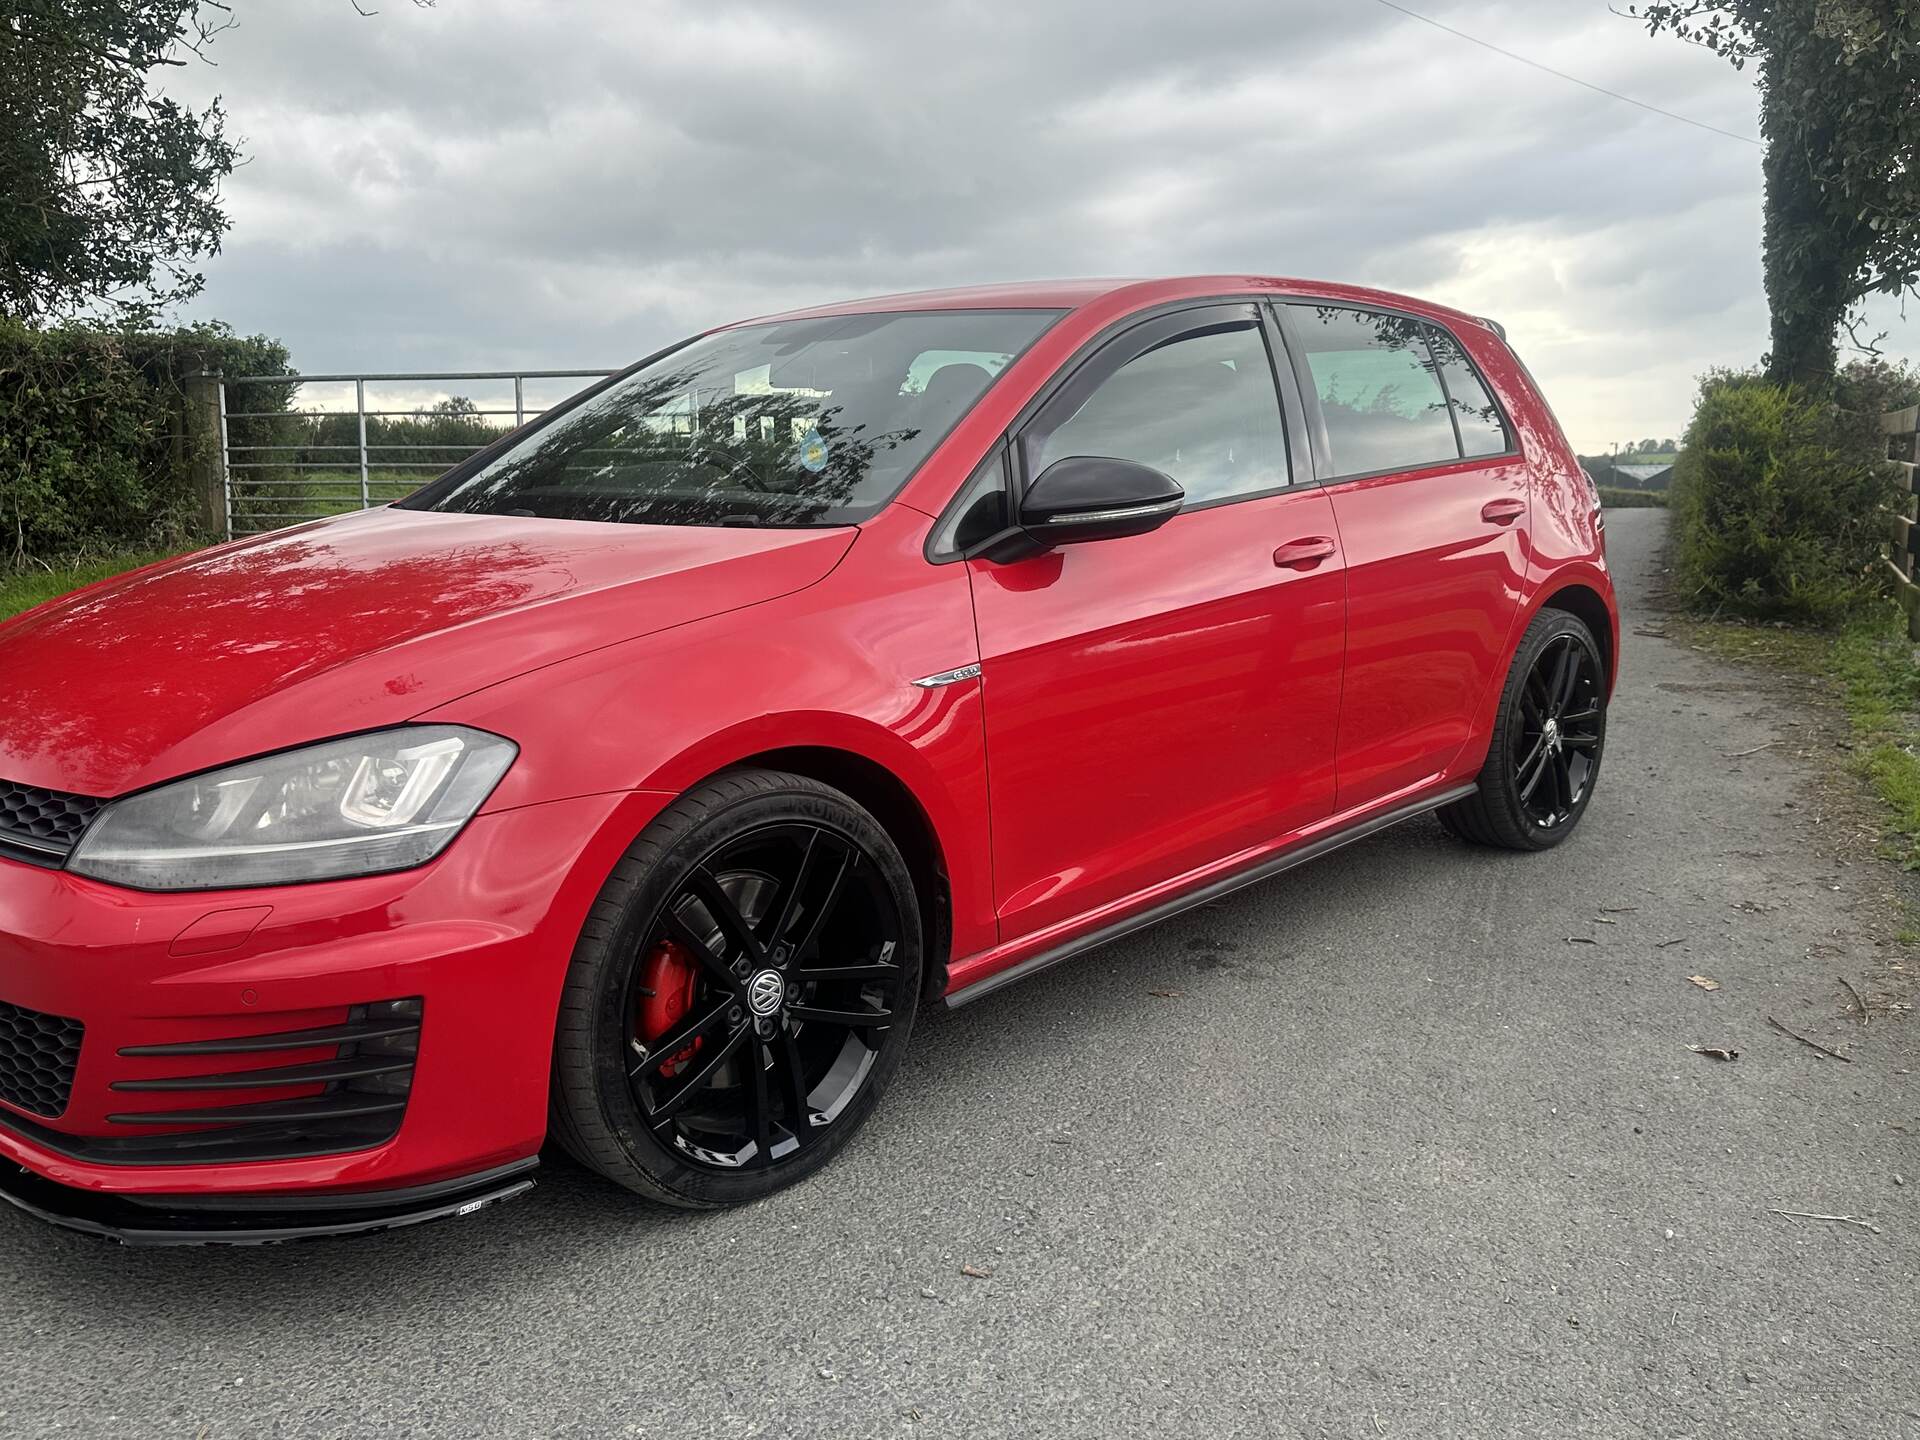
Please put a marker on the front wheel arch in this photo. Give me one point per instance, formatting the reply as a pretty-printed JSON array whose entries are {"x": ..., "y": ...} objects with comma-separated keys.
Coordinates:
[{"x": 886, "y": 797}]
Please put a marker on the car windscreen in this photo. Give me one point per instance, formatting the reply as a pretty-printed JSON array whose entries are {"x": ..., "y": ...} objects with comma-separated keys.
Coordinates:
[{"x": 797, "y": 422}]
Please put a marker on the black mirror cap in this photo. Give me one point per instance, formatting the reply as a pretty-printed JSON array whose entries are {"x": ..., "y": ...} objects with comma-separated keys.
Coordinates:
[{"x": 1095, "y": 497}]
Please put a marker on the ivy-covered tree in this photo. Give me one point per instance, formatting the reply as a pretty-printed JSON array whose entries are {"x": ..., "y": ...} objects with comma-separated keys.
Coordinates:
[
  {"x": 1840, "y": 113},
  {"x": 109, "y": 191}
]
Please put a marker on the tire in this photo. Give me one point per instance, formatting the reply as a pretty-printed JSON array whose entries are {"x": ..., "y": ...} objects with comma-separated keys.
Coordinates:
[
  {"x": 1542, "y": 741},
  {"x": 701, "y": 909}
]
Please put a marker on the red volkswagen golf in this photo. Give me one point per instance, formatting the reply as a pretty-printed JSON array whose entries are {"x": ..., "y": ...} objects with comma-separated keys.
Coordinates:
[{"x": 636, "y": 782}]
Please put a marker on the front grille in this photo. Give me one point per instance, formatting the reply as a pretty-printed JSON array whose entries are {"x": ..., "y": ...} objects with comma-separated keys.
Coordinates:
[
  {"x": 43, "y": 824},
  {"x": 38, "y": 1054}
]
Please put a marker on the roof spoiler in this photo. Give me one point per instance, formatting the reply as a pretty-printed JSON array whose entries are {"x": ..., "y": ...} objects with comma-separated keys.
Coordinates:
[{"x": 1497, "y": 328}]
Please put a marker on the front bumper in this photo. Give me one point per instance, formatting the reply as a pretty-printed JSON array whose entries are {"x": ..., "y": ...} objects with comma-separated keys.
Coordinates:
[{"x": 209, "y": 1094}]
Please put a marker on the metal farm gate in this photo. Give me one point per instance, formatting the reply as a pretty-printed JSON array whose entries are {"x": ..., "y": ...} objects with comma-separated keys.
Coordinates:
[{"x": 281, "y": 463}]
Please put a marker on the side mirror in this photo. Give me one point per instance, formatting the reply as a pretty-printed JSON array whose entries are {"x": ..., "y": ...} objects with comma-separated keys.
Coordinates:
[{"x": 1092, "y": 497}]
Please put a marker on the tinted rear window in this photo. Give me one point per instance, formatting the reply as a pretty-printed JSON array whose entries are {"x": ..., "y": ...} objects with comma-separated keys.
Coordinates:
[
  {"x": 1379, "y": 389},
  {"x": 1396, "y": 393},
  {"x": 1483, "y": 431}
]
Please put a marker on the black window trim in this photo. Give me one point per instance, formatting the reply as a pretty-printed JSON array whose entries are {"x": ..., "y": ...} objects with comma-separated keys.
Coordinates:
[
  {"x": 1301, "y": 462},
  {"x": 1316, "y": 421},
  {"x": 965, "y": 497}
]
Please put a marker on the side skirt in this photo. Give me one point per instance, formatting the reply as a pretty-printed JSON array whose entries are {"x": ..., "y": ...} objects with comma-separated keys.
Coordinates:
[{"x": 1211, "y": 890}]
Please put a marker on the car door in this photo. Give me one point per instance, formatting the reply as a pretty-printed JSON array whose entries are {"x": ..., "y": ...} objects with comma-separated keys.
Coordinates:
[
  {"x": 1160, "y": 701},
  {"x": 1430, "y": 494}
]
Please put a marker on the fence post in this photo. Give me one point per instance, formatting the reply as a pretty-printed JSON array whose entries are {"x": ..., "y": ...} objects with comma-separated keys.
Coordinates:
[
  {"x": 519, "y": 402},
  {"x": 360, "y": 405},
  {"x": 1902, "y": 428},
  {"x": 206, "y": 444},
  {"x": 226, "y": 461}
]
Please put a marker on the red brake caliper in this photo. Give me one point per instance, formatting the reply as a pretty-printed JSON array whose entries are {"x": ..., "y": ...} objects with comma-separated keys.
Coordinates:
[{"x": 669, "y": 978}]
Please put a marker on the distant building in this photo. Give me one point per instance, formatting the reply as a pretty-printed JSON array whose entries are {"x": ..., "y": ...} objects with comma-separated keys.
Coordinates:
[
  {"x": 1606, "y": 471},
  {"x": 1645, "y": 477}
]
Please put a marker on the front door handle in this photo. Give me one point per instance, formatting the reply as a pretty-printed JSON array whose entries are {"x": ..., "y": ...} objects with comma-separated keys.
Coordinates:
[
  {"x": 1305, "y": 554},
  {"x": 1503, "y": 512}
]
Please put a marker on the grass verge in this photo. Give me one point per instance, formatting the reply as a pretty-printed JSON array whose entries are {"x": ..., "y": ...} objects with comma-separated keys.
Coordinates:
[
  {"x": 1873, "y": 670},
  {"x": 319, "y": 494},
  {"x": 22, "y": 590}
]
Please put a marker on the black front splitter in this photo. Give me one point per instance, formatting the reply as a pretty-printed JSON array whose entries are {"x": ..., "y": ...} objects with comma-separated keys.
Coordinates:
[{"x": 255, "y": 1219}]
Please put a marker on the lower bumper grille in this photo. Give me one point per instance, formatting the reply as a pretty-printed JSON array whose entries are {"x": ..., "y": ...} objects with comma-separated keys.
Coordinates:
[
  {"x": 38, "y": 1054},
  {"x": 324, "y": 1091}
]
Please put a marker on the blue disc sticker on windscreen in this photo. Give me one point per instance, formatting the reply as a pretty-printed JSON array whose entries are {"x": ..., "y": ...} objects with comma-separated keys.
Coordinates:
[{"x": 813, "y": 452}]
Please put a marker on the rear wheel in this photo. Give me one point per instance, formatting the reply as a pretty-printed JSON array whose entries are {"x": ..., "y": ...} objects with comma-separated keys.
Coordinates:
[
  {"x": 740, "y": 995},
  {"x": 1547, "y": 741}
]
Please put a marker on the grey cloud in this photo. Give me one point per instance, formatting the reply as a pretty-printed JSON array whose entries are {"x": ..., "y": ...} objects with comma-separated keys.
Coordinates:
[{"x": 493, "y": 184}]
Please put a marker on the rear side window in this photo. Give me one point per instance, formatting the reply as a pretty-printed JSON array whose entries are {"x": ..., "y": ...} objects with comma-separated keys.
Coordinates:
[
  {"x": 1392, "y": 389},
  {"x": 1482, "y": 430},
  {"x": 1379, "y": 389}
]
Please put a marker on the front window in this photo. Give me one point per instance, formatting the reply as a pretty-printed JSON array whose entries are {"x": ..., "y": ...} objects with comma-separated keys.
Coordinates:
[
  {"x": 1200, "y": 408},
  {"x": 800, "y": 422}
]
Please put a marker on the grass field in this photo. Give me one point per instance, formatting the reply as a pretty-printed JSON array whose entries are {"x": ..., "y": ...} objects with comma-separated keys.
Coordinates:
[{"x": 318, "y": 493}]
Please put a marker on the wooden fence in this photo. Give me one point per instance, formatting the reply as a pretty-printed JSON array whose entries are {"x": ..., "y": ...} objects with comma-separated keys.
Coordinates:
[{"x": 1903, "y": 526}]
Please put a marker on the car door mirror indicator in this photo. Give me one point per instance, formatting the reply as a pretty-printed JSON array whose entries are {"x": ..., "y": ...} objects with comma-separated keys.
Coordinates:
[{"x": 1087, "y": 497}]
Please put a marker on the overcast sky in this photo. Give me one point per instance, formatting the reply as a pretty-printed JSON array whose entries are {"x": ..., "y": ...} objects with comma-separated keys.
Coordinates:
[{"x": 494, "y": 184}]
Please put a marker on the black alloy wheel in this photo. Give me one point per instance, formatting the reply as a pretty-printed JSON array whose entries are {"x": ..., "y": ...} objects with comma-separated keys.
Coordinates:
[
  {"x": 1547, "y": 742},
  {"x": 795, "y": 939},
  {"x": 1556, "y": 747},
  {"x": 750, "y": 1002}
]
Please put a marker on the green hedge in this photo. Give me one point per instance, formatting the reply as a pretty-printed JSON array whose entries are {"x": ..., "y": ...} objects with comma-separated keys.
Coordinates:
[
  {"x": 1777, "y": 496},
  {"x": 1621, "y": 497},
  {"x": 95, "y": 453}
]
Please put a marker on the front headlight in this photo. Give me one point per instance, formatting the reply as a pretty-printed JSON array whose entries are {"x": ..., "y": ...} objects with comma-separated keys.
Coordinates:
[{"x": 359, "y": 806}]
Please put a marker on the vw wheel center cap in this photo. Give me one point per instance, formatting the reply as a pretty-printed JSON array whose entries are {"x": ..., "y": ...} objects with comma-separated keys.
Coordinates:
[{"x": 765, "y": 992}]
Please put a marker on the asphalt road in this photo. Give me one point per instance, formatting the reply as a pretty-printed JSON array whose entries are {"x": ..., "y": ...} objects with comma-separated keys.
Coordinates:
[{"x": 1396, "y": 1157}]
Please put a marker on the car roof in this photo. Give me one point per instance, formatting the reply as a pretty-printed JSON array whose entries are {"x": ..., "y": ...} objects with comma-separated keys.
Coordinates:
[{"x": 1114, "y": 294}]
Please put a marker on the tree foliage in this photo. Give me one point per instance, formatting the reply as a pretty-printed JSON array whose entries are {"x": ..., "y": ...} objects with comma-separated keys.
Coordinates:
[
  {"x": 1840, "y": 112},
  {"x": 109, "y": 191}
]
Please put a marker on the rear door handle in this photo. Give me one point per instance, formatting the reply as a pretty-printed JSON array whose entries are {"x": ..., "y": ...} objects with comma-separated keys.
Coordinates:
[
  {"x": 1306, "y": 553},
  {"x": 1503, "y": 512}
]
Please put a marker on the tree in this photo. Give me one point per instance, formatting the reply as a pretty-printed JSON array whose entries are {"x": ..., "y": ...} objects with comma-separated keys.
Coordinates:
[
  {"x": 1840, "y": 113},
  {"x": 108, "y": 191}
]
